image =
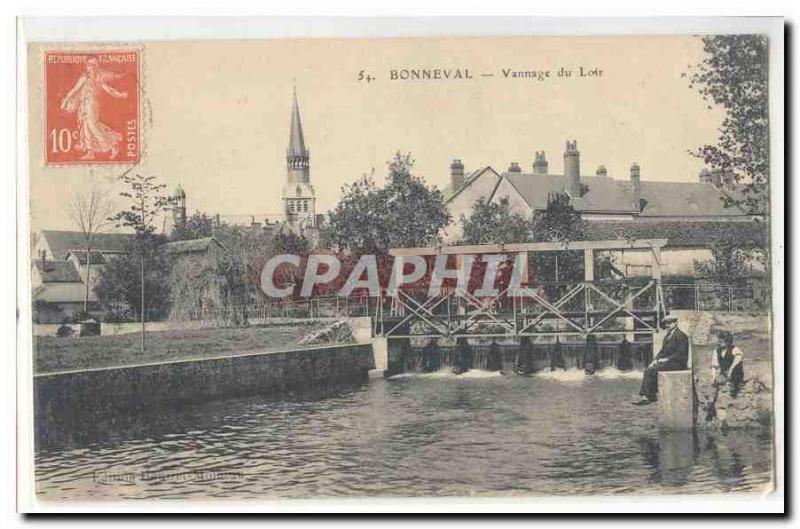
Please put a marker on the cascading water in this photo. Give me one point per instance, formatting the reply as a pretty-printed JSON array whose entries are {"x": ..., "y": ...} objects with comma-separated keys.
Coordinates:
[{"x": 522, "y": 357}]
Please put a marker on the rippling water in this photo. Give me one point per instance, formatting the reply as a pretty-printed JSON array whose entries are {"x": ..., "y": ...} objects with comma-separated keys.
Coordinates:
[{"x": 413, "y": 435}]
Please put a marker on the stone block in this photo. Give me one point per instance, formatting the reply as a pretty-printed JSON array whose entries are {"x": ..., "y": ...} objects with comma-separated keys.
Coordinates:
[
  {"x": 676, "y": 409},
  {"x": 380, "y": 353}
]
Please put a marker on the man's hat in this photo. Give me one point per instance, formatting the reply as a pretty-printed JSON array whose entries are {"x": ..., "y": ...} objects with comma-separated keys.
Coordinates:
[{"x": 669, "y": 318}]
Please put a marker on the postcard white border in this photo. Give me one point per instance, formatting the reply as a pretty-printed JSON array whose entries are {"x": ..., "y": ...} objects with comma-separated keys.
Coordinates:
[{"x": 163, "y": 28}]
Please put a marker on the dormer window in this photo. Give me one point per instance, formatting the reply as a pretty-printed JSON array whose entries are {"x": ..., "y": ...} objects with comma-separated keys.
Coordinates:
[{"x": 299, "y": 191}]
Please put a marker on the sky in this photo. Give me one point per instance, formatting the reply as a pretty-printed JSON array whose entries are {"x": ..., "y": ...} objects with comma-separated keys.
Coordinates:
[{"x": 217, "y": 113}]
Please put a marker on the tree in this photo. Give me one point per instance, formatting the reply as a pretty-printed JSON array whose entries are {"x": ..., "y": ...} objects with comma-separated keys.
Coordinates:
[
  {"x": 286, "y": 241},
  {"x": 121, "y": 281},
  {"x": 733, "y": 259},
  {"x": 734, "y": 75},
  {"x": 494, "y": 223},
  {"x": 559, "y": 222},
  {"x": 406, "y": 212},
  {"x": 90, "y": 210},
  {"x": 197, "y": 226},
  {"x": 240, "y": 268},
  {"x": 147, "y": 202}
]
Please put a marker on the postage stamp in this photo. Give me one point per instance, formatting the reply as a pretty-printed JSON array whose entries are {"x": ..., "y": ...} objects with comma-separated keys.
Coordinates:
[{"x": 92, "y": 111}]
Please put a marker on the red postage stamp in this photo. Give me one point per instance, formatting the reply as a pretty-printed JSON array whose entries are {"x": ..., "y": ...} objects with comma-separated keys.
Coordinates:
[{"x": 92, "y": 107}]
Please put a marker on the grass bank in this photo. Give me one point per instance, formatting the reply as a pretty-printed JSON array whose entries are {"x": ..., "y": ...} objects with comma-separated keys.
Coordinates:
[{"x": 62, "y": 354}]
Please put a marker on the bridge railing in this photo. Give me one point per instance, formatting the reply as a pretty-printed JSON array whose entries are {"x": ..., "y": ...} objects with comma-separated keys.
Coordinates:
[{"x": 677, "y": 296}]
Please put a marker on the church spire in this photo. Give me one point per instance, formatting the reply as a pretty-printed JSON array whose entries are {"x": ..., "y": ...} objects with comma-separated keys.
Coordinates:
[
  {"x": 297, "y": 156},
  {"x": 297, "y": 143}
]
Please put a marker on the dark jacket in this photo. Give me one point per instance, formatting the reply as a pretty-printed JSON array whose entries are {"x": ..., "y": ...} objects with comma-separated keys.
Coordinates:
[{"x": 674, "y": 353}]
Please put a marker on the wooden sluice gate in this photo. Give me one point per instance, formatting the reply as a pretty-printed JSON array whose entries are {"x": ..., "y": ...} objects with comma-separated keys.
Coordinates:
[{"x": 523, "y": 358}]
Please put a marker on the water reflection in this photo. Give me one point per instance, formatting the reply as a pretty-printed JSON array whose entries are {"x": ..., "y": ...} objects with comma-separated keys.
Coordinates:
[{"x": 416, "y": 435}]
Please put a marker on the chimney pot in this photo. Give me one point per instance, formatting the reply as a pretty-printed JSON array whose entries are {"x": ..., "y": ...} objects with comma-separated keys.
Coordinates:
[
  {"x": 636, "y": 186},
  {"x": 457, "y": 174},
  {"x": 572, "y": 168},
  {"x": 602, "y": 171},
  {"x": 539, "y": 163},
  {"x": 514, "y": 168}
]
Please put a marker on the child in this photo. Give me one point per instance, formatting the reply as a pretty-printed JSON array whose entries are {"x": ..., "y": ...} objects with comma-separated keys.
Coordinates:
[{"x": 727, "y": 364}]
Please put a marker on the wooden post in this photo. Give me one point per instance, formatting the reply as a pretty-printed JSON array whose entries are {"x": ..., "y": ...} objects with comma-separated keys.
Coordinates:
[
  {"x": 588, "y": 276},
  {"x": 588, "y": 264}
]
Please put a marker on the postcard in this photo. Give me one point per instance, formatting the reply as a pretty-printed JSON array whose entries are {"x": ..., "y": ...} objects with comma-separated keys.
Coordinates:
[{"x": 444, "y": 266}]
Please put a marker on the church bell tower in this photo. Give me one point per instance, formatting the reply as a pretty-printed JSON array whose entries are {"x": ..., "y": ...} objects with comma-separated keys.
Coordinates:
[{"x": 298, "y": 193}]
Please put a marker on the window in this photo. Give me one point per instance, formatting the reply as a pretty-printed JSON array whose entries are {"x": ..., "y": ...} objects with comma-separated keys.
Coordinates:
[{"x": 305, "y": 207}]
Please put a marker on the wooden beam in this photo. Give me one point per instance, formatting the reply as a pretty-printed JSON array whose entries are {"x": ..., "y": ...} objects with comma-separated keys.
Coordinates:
[
  {"x": 588, "y": 264},
  {"x": 636, "y": 244}
]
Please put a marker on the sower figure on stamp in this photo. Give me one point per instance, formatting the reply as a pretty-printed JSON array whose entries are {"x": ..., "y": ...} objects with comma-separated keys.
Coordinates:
[
  {"x": 673, "y": 356},
  {"x": 84, "y": 99}
]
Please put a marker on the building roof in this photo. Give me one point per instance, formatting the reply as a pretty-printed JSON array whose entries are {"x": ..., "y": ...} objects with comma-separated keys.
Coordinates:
[
  {"x": 192, "y": 245},
  {"x": 681, "y": 233},
  {"x": 57, "y": 271},
  {"x": 609, "y": 195},
  {"x": 95, "y": 256},
  {"x": 685, "y": 199},
  {"x": 63, "y": 293},
  {"x": 603, "y": 194},
  {"x": 61, "y": 242},
  {"x": 449, "y": 192}
]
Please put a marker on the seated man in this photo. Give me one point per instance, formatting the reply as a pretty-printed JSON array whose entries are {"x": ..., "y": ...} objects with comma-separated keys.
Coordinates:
[
  {"x": 673, "y": 356},
  {"x": 727, "y": 364}
]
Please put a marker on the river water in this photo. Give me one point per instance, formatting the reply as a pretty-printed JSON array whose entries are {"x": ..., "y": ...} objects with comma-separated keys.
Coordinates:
[{"x": 413, "y": 435}]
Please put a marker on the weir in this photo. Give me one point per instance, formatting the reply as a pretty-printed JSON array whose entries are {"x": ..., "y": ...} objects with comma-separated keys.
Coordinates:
[{"x": 511, "y": 356}]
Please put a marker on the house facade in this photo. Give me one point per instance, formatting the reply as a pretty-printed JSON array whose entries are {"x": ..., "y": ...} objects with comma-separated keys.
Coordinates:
[{"x": 61, "y": 268}]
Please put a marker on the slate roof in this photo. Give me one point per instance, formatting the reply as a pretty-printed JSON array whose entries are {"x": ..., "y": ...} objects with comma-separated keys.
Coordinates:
[
  {"x": 192, "y": 245},
  {"x": 57, "y": 271},
  {"x": 61, "y": 242},
  {"x": 63, "y": 293},
  {"x": 686, "y": 199},
  {"x": 603, "y": 195},
  {"x": 448, "y": 192},
  {"x": 614, "y": 196}
]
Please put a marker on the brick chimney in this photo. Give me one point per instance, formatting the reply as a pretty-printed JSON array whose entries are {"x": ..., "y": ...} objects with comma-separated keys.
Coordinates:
[
  {"x": 705, "y": 176},
  {"x": 727, "y": 180},
  {"x": 716, "y": 178},
  {"x": 456, "y": 174},
  {"x": 572, "y": 168},
  {"x": 514, "y": 168},
  {"x": 601, "y": 170},
  {"x": 539, "y": 163},
  {"x": 636, "y": 187}
]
